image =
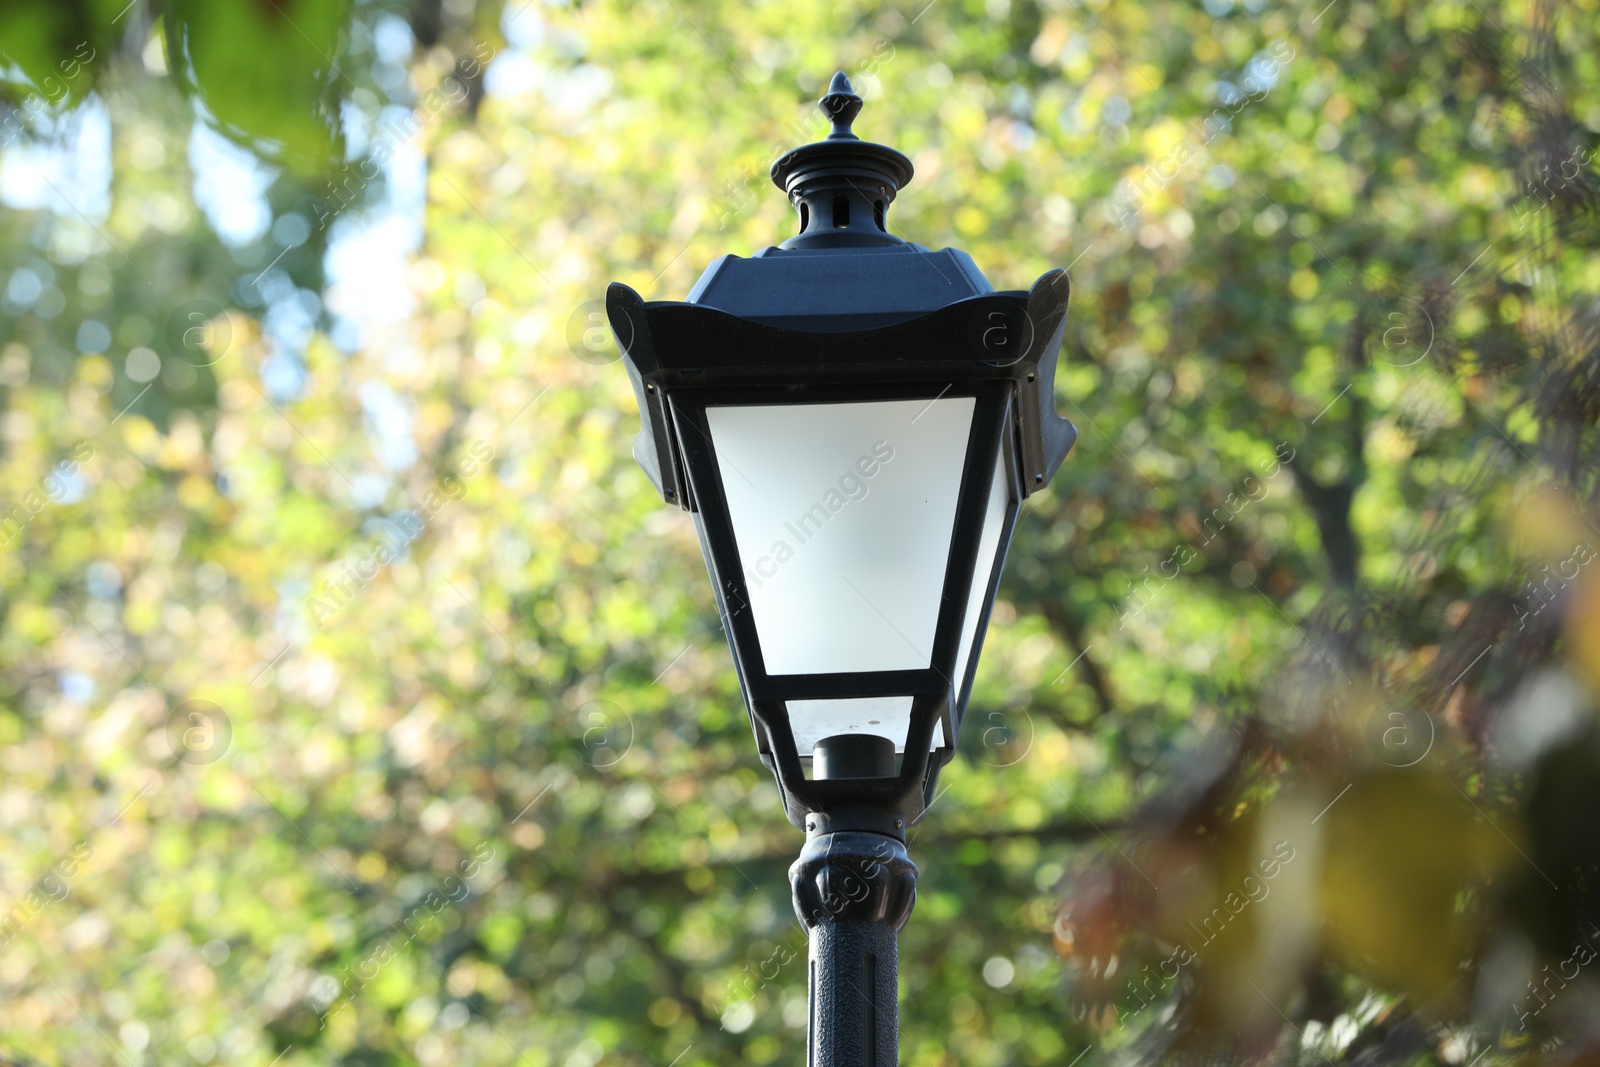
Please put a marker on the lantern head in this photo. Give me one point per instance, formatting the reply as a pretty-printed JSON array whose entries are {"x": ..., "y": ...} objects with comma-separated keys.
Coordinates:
[{"x": 854, "y": 421}]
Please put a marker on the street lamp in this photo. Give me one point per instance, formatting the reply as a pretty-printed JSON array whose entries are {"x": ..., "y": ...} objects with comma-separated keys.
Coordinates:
[{"x": 854, "y": 421}]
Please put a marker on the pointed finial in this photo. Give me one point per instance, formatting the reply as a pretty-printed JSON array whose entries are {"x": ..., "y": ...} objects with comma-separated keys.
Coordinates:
[
  {"x": 841, "y": 185},
  {"x": 841, "y": 105}
]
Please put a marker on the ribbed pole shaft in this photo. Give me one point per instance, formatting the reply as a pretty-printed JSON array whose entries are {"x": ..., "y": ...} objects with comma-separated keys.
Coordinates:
[
  {"x": 854, "y": 890},
  {"x": 855, "y": 1019}
]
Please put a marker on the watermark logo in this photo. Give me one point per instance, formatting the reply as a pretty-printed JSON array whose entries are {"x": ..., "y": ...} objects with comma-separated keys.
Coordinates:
[
  {"x": 350, "y": 183},
  {"x": 64, "y": 484},
  {"x": 605, "y": 731},
  {"x": 1400, "y": 737},
  {"x": 1253, "y": 888},
  {"x": 52, "y": 888},
  {"x": 1260, "y": 75},
  {"x": 398, "y": 531},
  {"x": 199, "y": 332},
  {"x": 331, "y": 993},
  {"x": 589, "y": 335},
  {"x": 1408, "y": 336},
  {"x": 199, "y": 732},
  {"x": 1253, "y": 490},
  {"x": 1540, "y": 992},
  {"x": 1007, "y": 736},
  {"x": 1550, "y": 586},
  {"x": 1001, "y": 337},
  {"x": 853, "y": 484},
  {"x": 52, "y": 91}
]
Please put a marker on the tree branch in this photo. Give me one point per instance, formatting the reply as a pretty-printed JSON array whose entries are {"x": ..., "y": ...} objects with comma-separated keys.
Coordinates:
[
  {"x": 665, "y": 963},
  {"x": 1330, "y": 502},
  {"x": 1071, "y": 634}
]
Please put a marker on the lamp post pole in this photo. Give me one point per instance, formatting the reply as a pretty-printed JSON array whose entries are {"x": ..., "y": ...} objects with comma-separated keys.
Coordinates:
[
  {"x": 854, "y": 887},
  {"x": 854, "y": 983}
]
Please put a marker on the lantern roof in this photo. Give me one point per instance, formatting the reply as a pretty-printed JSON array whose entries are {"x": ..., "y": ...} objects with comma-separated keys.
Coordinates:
[
  {"x": 839, "y": 290},
  {"x": 844, "y": 270}
]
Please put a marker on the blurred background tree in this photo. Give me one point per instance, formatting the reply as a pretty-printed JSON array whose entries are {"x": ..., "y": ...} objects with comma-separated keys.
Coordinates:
[{"x": 361, "y": 705}]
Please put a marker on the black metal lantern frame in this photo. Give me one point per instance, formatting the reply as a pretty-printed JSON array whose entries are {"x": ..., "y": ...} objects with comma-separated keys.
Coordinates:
[
  {"x": 997, "y": 348},
  {"x": 849, "y": 323}
]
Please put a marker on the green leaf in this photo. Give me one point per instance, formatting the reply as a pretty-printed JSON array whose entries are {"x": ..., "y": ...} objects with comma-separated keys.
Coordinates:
[
  {"x": 52, "y": 51},
  {"x": 265, "y": 73}
]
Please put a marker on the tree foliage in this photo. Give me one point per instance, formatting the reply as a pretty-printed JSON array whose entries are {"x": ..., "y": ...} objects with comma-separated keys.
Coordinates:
[{"x": 361, "y": 704}]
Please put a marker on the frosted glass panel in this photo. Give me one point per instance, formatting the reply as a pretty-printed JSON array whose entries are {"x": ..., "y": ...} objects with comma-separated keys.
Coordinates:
[
  {"x": 843, "y": 515},
  {"x": 812, "y": 720},
  {"x": 994, "y": 520}
]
